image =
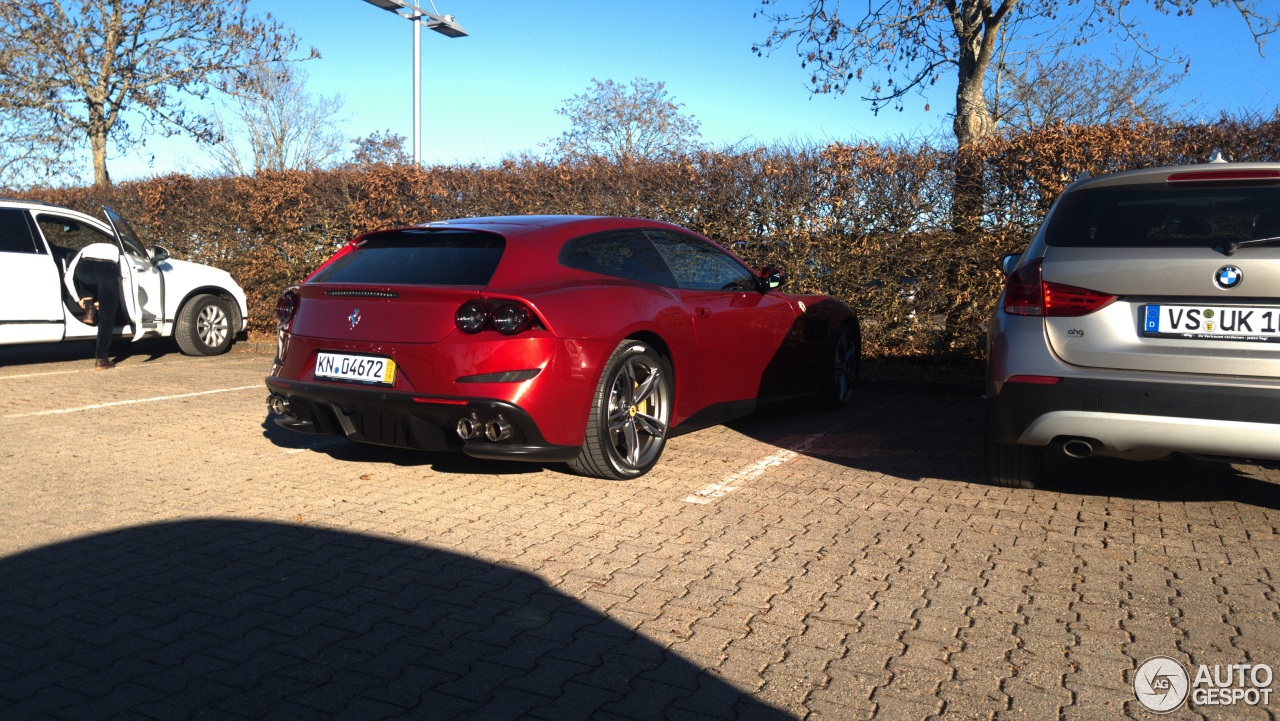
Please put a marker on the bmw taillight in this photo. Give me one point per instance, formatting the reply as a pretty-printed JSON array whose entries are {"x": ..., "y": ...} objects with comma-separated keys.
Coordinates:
[
  {"x": 1026, "y": 293},
  {"x": 1250, "y": 175},
  {"x": 1023, "y": 291},
  {"x": 1065, "y": 301},
  {"x": 507, "y": 317},
  {"x": 286, "y": 308}
]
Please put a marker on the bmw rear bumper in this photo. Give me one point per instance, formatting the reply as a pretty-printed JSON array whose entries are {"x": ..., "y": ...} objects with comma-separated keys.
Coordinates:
[{"x": 1123, "y": 416}]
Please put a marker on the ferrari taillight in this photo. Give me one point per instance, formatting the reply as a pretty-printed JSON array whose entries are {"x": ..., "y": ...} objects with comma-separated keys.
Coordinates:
[
  {"x": 472, "y": 317},
  {"x": 511, "y": 318},
  {"x": 286, "y": 308},
  {"x": 507, "y": 317},
  {"x": 1026, "y": 293}
]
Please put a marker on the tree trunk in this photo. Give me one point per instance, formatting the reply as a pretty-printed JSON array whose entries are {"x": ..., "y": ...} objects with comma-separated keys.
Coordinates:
[
  {"x": 975, "y": 27},
  {"x": 972, "y": 125},
  {"x": 973, "y": 122},
  {"x": 98, "y": 143}
]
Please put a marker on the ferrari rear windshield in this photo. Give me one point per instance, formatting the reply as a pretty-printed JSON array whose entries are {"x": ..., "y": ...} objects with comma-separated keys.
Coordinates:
[
  {"x": 1147, "y": 216},
  {"x": 419, "y": 256}
]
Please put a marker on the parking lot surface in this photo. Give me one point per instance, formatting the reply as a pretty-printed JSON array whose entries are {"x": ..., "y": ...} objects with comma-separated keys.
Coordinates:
[{"x": 168, "y": 552}]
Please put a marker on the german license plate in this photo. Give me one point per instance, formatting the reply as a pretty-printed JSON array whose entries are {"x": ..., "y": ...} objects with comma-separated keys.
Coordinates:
[
  {"x": 358, "y": 368},
  {"x": 1210, "y": 322}
]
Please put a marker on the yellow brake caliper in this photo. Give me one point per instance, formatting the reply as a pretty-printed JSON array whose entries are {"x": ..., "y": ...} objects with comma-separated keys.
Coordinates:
[{"x": 643, "y": 407}]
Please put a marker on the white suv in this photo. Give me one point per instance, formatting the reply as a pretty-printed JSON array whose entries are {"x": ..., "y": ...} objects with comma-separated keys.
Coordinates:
[{"x": 202, "y": 307}]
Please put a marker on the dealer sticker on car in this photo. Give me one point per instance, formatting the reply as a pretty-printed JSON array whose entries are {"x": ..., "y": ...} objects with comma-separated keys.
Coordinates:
[
  {"x": 1212, "y": 322},
  {"x": 359, "y": 368}
]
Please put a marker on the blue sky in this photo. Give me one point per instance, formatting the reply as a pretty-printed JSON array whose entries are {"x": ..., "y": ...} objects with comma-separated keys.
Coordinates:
[{"x": 495, "y": 93}]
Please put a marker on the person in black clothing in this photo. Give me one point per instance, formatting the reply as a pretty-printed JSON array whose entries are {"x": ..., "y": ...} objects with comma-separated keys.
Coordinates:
[{"x": 98, "y": 266}]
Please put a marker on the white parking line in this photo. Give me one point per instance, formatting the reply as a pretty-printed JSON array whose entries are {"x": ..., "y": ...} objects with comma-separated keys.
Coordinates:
[
  {"x": 131, "y": 402},
  {"x": 734, "y": 481},
  {"x": 218, "y": 359},
  {"x": 46, "y": 373}
]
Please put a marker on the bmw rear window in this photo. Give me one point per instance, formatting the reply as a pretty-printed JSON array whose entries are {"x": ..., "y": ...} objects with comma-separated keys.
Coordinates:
[
  {"x": 419, "y": 256},
  {"x": 1162, "y": 217}
]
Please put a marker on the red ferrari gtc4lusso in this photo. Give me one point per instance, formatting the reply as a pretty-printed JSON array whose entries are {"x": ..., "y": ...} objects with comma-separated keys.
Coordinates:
[{"x": 586, "y": 340}]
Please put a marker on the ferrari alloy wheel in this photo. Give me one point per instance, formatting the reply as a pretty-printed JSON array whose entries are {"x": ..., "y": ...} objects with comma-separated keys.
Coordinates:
[
  {"x": 842, "y": 373},
  {"x": 630, "y": 415}
]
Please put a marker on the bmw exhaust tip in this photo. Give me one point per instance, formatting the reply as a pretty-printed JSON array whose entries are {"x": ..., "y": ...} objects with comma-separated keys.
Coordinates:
[
  {"x": 1078, "y": 448},
  {"x": 469, "y": 428},
  {"x": 497, "y": 430}
]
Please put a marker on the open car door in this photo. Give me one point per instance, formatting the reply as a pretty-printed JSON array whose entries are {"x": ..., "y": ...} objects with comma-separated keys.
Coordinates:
[{"x": 143, "y": 281}]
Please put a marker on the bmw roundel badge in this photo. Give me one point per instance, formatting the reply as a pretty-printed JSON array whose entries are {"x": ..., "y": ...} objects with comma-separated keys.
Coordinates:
[{"x": 1228, "y": 277}]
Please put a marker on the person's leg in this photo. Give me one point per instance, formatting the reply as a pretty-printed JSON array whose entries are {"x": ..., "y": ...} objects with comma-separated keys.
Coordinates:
[
  {"x": 104, "y": 277},
  {"x": 108, "y": 306}
]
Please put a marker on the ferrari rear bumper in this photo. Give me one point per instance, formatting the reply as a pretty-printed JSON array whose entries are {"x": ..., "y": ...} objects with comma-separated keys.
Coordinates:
[{"x": 414, "y": 421}]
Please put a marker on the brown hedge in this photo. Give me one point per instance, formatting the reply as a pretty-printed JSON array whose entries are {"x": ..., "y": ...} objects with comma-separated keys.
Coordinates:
[{"x": 866, "y": 222}]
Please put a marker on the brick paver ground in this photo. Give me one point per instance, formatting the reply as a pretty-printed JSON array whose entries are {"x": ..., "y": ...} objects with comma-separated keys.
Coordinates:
[{"x": 184, "y": 558}]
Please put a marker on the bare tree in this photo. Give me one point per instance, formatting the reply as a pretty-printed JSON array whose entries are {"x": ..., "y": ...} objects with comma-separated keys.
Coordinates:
[
  {"x": 898, "y": 47},
  {"x": 1080, "y": 90},
  {"x": 283, "y": 126},
  {"x": 380, "y": 148},
  {"x": 32, "y": 152},
  {"x": 90, "y": 64},
  {"x": 625, "y": 123}
]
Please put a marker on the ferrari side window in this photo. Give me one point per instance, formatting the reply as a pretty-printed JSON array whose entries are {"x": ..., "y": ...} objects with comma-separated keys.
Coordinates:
[
  {"x": 699, "y": 266},
  {"x": 622, "y": 254}
]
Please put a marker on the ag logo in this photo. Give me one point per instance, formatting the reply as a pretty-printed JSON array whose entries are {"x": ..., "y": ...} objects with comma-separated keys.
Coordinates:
[{"x": 1161, "y": 684}]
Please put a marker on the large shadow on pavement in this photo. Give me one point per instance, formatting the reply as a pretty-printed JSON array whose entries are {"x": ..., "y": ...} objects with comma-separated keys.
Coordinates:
[
  {"x": 919, "y": 434},
  {"x": 1177, "y": 479},
  {"x": 909, "y": 436},
  {"x": 236, "y": 619},
  {"x": 121, "y": 350}
]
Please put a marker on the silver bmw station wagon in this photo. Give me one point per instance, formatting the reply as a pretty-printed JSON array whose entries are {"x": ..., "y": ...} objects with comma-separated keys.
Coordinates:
[{"x": 1143, "y": 320}]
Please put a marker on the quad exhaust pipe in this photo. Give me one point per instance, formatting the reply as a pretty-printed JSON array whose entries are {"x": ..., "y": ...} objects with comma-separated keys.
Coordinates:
[
  {"x": 495, "y": 431},
  {"x": 279, "y": 405},
  {"x": 469, "y": 429}
]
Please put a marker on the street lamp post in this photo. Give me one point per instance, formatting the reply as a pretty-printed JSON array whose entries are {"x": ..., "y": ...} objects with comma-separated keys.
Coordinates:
[{"x": 445, "y": 25}]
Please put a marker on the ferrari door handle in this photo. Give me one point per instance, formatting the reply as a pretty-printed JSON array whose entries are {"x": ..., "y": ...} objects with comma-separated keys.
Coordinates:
[{"x": 702, "y": 312}]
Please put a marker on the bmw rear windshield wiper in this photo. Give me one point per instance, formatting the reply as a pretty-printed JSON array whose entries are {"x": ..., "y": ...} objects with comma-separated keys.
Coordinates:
[{"x": 1231, "y": 248}]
